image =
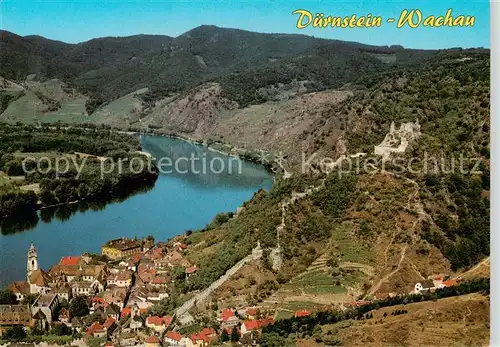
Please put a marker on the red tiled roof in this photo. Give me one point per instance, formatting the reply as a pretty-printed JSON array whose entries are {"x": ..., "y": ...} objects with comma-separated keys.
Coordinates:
[
  {"x": 191, "y": 269},
  {"x": 109, "y": 322},
  {"x": 174, "y": 335},
  {"x": 257, "y": 324},
  {"x": 70, "y": 261},
  {"x": 208, "y": 331},
  {"x": 97, "y": 299},
  {"x": 158, "y": 280},
  {"x": 450, "y": 283},
  {"x": 205, "y": 335},
  {"x": 251, "y": 325},
  {"x": 95, "y": 327},
  {"x": 183, "y": 246},
  {"x": 126, "y": 311},
  {"x": 226, "y": 314},
  {"x": 136, "y": 257},
  {"x": 145, "y": 269},
  {"x": 438, "y": 278},
  {"x": 153, "y": 339},
  {"x": 252, "y": 311},
  {"x": 196, "y": 337},
  {"x": 155, "y": 320},
  {"x": 303, "y": 313}
]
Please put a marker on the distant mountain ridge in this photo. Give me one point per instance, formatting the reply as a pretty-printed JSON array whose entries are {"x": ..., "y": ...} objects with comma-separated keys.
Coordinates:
[{"x": 111, "y": 67}]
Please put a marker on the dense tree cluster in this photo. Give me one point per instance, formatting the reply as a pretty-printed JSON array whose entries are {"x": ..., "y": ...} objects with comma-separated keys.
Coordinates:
[
  {"x": 7, "y": 297},
  {"x": 82, "y": 178},
  {"x": 63, "y": 139},
  {"x": 243, "y": 62}
]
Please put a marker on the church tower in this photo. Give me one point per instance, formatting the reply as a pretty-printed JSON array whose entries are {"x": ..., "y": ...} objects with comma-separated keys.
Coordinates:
[{"x": 32, "y": 264}]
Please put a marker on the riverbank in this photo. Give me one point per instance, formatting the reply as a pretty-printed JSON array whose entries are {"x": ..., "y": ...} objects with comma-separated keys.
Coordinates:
[
  {"x": 174, "y": 204},
  {"x": 271, "y": 167}
]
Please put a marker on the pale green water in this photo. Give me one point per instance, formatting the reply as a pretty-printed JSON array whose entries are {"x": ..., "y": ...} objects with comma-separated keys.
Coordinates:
[{"x": 177, "y": 203}]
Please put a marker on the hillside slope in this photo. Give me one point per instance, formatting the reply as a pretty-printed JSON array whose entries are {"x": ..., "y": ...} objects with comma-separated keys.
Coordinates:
[
  {"x": 370, "y": 232},
  {"x": 242, "y": 61}
]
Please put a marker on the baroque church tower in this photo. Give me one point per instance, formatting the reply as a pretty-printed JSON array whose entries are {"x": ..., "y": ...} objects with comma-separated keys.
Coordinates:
[{"x": 32, "y": 264}]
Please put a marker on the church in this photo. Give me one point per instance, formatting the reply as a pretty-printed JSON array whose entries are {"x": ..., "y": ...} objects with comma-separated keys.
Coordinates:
[{"x": 37, "y": 280}]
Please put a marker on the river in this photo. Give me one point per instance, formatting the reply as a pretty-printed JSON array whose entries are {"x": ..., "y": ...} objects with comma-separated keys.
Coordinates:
[{"x": 195, "y": 185}]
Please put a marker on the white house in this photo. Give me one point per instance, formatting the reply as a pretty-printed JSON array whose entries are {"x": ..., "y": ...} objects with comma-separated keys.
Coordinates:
[{"x": 173, "y": 338}]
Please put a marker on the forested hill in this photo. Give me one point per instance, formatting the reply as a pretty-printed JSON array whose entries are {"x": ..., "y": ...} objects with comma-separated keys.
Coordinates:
[{"x": 107, "y": 68}]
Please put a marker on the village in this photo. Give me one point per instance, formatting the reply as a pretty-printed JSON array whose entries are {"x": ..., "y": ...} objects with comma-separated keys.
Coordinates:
[
  {"x": 108, "y": 299},
  {"x": 111, "y": 299}
]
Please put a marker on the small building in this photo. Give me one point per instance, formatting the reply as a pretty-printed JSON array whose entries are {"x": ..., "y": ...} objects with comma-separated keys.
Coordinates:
[
  {"x": 14, "y": 315},
  {"x": 449, "y": 283},
  {"x": 109, "y": 325},
  {"x": 71, "y": 261},
  {"x": 255, "y": 325},
  {"x": 82, "y": 288},
  {"x": 204, "y": 337},
  {"x": 158, "y": 282},
  {"x": 251, "y": 313},
  {"x": 157, "y": 294},
  {"x": 48, "y": 304},
  {"x": 115, "y": 295},
  {"x": 191, "y": 270},
  {"x": 228, "y": 318},
  {"x": 95, "y": 330},
  {"x": 180, "y": 246},
  {"x": 39, "y": 281},
  {"x": 120, "y": 279},
  {"x": 113, "y": 311},
  {"x": 20, "y": 289},
  {"x": 426, "y": 285},
  {"x": 173, "y": 338},
  {"x": 136, "y": 321},
  {"x": 121, "y": 248},
  {"x": 158, "y": 324},
  {"x": 303, "y": 313},
  {"x": 152, "y": 341},
  {"x": 63, "y": 315},
  {"x": 63, "y": 291}
]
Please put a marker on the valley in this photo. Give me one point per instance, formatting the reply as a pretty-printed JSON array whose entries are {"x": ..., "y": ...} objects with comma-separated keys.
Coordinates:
[{"x": 374, "y": 217}]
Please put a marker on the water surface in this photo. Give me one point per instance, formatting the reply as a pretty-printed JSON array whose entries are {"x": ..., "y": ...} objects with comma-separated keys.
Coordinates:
[{"x": 178, "y": 202}]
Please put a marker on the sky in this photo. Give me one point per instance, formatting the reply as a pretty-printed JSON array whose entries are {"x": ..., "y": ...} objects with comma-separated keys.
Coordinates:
[{"x": 76, "y": 21}]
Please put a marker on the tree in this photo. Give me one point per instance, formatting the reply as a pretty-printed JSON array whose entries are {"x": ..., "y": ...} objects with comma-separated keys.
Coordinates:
[
  {"x": 16, "y": 333},
  {"x": 60, "y": 330},
  {"x": 7, "y": 297},
  {"x": 179, "y": 273},
  {"x": 235, "y": 336},
  {"x": 224, "y": 337},
  {"x": 78, "y": 307},
  {"x": 29, "y": 299}
]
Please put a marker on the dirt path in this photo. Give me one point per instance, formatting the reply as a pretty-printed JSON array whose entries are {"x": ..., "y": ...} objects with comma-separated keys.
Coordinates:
[
  {"x": 483, "y": 262},
  {"x": 386, "y": 277}
]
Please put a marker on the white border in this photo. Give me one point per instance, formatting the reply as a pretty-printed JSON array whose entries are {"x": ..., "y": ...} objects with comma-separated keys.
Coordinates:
[{"x": 495, "y": 172}]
